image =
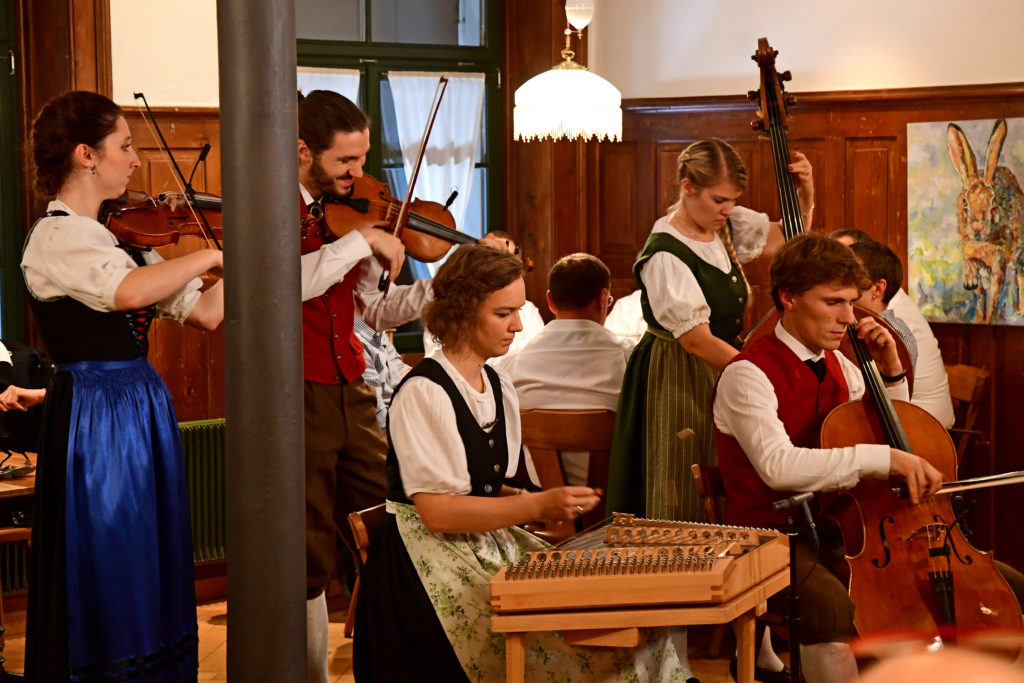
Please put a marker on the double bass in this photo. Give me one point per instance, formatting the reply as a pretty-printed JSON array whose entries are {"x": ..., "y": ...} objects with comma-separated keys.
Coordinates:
[
  {"x": 911, "y": 568},
  {"x": 771, "y": 122}
]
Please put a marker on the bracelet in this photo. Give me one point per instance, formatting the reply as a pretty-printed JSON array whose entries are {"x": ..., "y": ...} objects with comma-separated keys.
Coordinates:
[
  {"x": 893, "y": 378},
  {"x": 808, "y": 211}
]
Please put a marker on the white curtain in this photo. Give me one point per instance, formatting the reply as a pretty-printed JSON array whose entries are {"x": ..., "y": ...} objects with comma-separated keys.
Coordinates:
[
  {"x": 451, "y": 152},
  {"x": 342, "y": 81}
]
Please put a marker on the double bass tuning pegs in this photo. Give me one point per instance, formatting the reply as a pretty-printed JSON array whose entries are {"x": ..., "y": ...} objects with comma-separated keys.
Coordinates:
[
  {"x": 753, "y": 95},
  {"x": 785, "y": 76},
  {"x": 757, "y": 124}
]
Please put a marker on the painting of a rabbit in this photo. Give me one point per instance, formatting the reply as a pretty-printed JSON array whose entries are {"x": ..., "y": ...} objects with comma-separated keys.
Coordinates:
[{"x": 966, "y": 220}]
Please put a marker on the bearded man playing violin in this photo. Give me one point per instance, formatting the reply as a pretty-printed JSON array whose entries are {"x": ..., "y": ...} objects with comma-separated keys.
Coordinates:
[{"x": 345, "y": 449}]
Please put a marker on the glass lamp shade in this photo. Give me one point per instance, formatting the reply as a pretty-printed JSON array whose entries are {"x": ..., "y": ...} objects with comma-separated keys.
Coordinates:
[{"x": 567, "y": 101}]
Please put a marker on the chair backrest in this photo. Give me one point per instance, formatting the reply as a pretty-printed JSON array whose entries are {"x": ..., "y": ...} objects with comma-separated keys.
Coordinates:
[
  {"x": 363, "y": 524},
  {"x": 708, "y": 479},
  {"x": 967, "y": 386},
  {"x": 546, "y": 432}
]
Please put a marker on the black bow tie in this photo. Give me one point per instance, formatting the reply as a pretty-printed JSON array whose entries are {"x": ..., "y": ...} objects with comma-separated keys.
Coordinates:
[{"x": 817, "y": 367}]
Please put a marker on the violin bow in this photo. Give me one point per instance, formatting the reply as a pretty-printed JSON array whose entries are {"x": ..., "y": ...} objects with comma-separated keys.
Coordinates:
[
  {"x": 984, "y": 482},
  {"x": 403, "y": 211},
  {"x": 184, "y": 185}
]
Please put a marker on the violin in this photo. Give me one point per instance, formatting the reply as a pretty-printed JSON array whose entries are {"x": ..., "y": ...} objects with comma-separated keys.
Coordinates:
[
  {"x": 139, "y": 220},
  {"x": 430, "y": 228},
  {"x": 911, "y": 567}
]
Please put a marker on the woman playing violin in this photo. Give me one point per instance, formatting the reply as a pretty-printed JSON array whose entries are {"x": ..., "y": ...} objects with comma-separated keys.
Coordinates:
[{"x": 112, "y": 585}]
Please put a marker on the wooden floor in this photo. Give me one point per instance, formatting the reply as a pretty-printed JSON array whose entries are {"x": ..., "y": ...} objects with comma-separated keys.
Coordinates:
[{"x": 213, "y": 635}]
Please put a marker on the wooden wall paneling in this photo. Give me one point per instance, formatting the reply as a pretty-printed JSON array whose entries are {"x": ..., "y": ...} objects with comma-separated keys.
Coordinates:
[
  {"x": 545, "y": 181},
  {"x": 857, "y": 143},
  {"x": 191, "y": 361},
  {"x": 61, "y": 45},
  {"x": 616, "y": 207},
  {"x": 870, "y": 201}
]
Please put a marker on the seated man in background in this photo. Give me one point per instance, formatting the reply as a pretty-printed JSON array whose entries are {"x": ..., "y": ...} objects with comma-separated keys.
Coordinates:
[
  {"x": 626, "y": 319},
  {"x": 931, "y": 386},
  {"x": 384, "y": 366},
  {"x": 573, "y": 363},
  {"x": 886, "y": 273}
]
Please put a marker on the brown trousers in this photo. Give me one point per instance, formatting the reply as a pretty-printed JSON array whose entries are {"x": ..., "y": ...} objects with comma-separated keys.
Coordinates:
[{"x": 345, "y": 453}]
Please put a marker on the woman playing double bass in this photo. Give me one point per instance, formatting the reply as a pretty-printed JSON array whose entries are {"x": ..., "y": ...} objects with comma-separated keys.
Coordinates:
[{"x": 768, "y": 411}]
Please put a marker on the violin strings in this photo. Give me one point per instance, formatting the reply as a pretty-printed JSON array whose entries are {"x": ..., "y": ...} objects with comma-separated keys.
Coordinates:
[
  {"x": 177, "y": 181},
  {"x": 790, "y": 205}
]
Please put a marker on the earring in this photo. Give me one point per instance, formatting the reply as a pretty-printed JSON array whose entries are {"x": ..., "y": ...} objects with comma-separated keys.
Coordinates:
[{"x": 92, "y": 170}]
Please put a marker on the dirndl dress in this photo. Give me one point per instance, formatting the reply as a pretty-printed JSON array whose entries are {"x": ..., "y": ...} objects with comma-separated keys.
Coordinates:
[
  {"x": 424, "y": 609},
  {"x": 666, "y": 389},
  {"x": 111, "y": 593}
]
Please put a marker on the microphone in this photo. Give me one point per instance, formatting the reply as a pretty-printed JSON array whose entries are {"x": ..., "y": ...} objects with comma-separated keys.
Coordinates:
[
  {"x": 201, "y": 159},
  {"x": 451, "y": 198},
  {"x": 793, "y": 501},
  {"x": 802, "y": 500}
]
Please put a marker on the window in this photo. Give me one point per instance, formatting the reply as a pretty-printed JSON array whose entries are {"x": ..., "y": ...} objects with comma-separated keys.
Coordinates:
[{"x": 390, "y": 43}]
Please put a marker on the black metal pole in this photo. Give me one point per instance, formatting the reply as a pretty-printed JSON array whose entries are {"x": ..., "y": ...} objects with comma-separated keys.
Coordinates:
[
  {"x": 796, "y": 674},
  {"x": 263, "y": 342}
]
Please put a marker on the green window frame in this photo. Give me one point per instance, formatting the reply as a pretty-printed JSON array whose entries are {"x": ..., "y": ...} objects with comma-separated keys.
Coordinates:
[{"x": 374, "y": 60}]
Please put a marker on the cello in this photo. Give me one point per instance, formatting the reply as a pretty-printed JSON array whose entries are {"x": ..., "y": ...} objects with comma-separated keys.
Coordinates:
[
  {"x": 911, "y": 568},
  {"x": 772, "y": 118}
]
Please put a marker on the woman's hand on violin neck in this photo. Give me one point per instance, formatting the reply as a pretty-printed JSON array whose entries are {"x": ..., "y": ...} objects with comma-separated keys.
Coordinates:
[
  {"x": 566, "y": 502},
  {"x": 388, "y": 249},
  {"x": 921, "y": 477}
]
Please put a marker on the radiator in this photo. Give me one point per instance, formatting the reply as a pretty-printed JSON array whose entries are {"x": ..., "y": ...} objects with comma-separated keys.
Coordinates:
[{"x": 203, "y": 447}]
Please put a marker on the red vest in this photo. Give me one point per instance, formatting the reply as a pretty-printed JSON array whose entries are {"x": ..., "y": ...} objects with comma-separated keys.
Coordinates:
[
  {"x": 331, "y": 352},
  {"x": 803, "y": 404}
]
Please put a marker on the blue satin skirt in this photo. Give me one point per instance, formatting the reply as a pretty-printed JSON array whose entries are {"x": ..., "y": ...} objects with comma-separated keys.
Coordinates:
[{"x": 130, "y": 597}]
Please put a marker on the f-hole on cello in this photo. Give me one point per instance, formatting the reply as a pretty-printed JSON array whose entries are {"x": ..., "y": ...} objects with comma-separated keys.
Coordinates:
[{"x": 911, "y": 568}]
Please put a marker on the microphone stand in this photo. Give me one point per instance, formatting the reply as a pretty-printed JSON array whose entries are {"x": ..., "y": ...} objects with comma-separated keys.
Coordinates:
[{"x": 796, "y": 668}]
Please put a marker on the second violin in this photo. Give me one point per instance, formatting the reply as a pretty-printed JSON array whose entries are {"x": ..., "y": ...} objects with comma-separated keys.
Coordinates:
[{"x": 430, "y": 228}]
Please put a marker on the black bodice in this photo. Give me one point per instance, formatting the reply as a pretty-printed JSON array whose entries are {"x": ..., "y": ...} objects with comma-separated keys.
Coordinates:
[
  {"x": 74, "y": 332},
  {"x": 486, "y": 452}
]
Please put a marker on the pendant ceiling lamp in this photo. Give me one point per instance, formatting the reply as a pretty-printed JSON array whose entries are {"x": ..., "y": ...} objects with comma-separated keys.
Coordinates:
[{"x": 568, "y": 101}]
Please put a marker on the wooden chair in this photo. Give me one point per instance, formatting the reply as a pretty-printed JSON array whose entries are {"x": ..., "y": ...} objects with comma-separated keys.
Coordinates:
[
  {"x": 708, "y": 479},
  {"x": 967, "y": 386},
  {"x": 364, "y": 524},
  {"x": 546, "y": 432}
]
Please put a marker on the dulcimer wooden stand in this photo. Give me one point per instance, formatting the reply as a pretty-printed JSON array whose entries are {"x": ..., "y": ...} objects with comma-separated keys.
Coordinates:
[{"x": 600, "y": 587}]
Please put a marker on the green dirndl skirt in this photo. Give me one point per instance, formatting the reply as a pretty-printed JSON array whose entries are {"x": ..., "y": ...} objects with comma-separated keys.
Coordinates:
[{"x": 665, "y": 390}]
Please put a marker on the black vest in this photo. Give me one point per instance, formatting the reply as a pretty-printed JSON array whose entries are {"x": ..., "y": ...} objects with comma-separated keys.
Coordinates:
[
  {"x": 74, "y": 332},
  {"x": 486, "y": 453}
]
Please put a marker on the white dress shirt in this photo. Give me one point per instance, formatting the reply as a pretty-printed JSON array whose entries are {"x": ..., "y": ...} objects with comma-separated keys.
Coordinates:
[
  {"x": 931, "y": 386},
  {"x": 569, "y": 365},
  {"x": 431, "y": 455},
  {"x": 331, "y": 263},
  {"x": 626, "y": 319},
  {"x": 675, "y": 295},
  {"x": 746, "y": 408},
  {"x": 78, "y": 257}
]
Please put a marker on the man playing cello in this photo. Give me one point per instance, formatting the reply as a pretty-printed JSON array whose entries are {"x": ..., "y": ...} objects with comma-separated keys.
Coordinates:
[{"x": 768, "y": 410}]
